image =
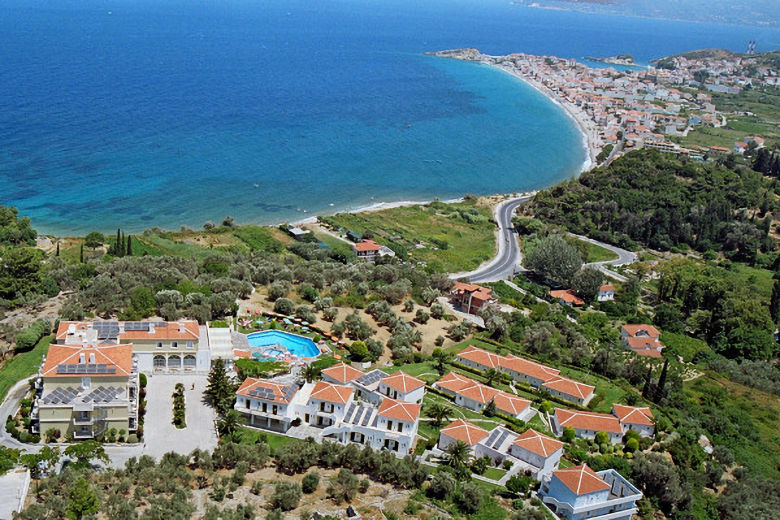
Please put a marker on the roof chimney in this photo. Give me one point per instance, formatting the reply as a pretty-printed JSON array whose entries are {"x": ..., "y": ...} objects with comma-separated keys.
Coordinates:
[
  {"x": 92, "y": 357},
  {"x": 181, "y": 328},
  {"x": 72, "y": 328},
  {"x": 81, "y": 358},
  {"x": 151, "y": 327},
  {"x": 121, "y": 327}
]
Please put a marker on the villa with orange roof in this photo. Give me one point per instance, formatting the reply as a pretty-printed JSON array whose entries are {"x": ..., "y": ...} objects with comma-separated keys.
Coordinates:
[
  {"x": 349, "y": 410},
  {"x": 537, "y": 450},
  {"x": 159, "y": 346},
  {"x": 587, "y": 424},
  {"x": 403, "y": 387},
  {"x": 639, "y": 419},
  {"x": 86, "y": 389},
  {"x": 463, "y": 431},
  {"x": 578, "y": 492},
  {"x": 643, "y": 340},
  {"x": 470, "y": 297},
  {"x": 567, "y": 297},
  {"x": 476, "y": 396},
  {"x": 606, "y": 293},
  {"x": 368, "y": 250},
  {"x": 524, "y": 370}
]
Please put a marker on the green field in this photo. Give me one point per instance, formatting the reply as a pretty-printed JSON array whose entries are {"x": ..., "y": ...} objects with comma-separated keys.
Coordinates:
[
  {"x": 453, "y": 237},
  {"x": 596, "y": 253},
  {"x": 494, "y": 473},
  {"x": 274, "y": 441},
  {"x": 22, "y": 365}
]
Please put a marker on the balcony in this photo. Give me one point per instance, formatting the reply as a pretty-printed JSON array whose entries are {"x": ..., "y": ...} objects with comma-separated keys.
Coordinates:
[{"x": 83, "y": 421}]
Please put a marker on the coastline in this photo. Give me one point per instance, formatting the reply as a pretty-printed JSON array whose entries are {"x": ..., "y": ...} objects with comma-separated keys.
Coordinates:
[{"x": 585, "y": 125}]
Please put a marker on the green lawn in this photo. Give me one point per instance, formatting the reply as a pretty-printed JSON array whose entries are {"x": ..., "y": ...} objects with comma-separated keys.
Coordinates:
[
  {"x": 459, "y": 412},
  {"x": 274, "y": 440},
  {"x": 425, "y": 371},
  {"x": 611, "y": 392},
  {"x": 454, "y": 237},
  {"x": 538, "y": 424},
  {"x": 596, "y": 253},
  {"x": 494, "y": 473},
  {"x": 22, "y": 365},
  {"x": 760, "y": 280}
]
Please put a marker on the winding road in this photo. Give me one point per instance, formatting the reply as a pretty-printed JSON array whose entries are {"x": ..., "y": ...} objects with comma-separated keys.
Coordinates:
[
  {"x": 508, "y": 260},
  {"x": 506, "y": 263}
]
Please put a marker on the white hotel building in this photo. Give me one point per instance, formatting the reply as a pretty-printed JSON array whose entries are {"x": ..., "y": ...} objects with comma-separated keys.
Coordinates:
[{"x": 359, "y": 411}]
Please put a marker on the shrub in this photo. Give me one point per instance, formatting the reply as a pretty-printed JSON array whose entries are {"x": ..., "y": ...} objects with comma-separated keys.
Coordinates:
[
  {"x": 28, "y": 337},
  {"x": 468, "y": 498},
  {"x": 480, "y": 465},
  {"x": 142, "y": 380},
  {"x": 602, "y": 438},
  {"x": 132, "y": 438},
  {"x": 343, "y": 486},
  {"x": 286, "y": 496},
  {"x": 310, "y": 482},
  {"x": 568, "y": 434},
  {"x": 442, "y": 485}
]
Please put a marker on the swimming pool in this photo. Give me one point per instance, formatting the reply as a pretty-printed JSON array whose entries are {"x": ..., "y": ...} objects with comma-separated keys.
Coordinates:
[{"x": 298, "y": 345}]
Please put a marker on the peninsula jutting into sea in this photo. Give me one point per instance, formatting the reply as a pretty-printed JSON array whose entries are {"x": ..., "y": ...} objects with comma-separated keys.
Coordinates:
[{"x": 649, "y": 107}]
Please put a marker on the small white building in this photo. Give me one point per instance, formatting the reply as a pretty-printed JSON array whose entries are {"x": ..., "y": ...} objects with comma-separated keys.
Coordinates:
[
  {"x": 463, "y": 431},
  {"x": 540, "y": 453},
  {"x": 476, "y": 396},
  {"x": 606, "y": 293},
  {"x": 403, "y": 387},
  {"x": 639, "y": 419},
  {"x": 578, "y": 493}
]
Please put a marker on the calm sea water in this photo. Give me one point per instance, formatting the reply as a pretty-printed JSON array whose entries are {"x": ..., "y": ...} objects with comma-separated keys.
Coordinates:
[{"x": 139, "y": 113}]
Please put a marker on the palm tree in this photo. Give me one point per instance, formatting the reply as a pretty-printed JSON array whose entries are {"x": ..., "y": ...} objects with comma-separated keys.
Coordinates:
[
  {"x": 230, "y": 423},
  {"x": 442, "y": 357},
  {"x": 491, "y": 375},
  {"x": 458, "y": 454},
  {"x": 438, "y": 412},
  {"x": 309, "y": 373}
]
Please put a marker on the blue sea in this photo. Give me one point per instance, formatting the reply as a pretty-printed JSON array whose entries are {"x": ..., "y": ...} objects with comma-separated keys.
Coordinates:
[{"x": 145, "y": 113}]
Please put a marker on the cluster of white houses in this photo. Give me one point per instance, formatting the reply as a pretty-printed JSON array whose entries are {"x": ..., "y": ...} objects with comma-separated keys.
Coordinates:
[
  {"x": 376, "y": 409},
  {"x": 572, "y": 493},
  {"x": 535, "y": 374}
]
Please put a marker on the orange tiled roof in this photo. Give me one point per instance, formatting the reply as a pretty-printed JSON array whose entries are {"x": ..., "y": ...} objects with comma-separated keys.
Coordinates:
[
  {"x": 480, "y": 357},
  {"x": 242, "y": 354},
  {"x": 633, "y": 330},
  {"x": 278, "y": 389},
  {"x": 643, "y": 342},
  {"x": 605, "y": 288},
  {"x": 190, "y": 330},
  {"x": 403, "y": 382},
  {"x": 570, "y": 387},
  {"x": 588, "y": 421},
  {"x": 581, "y": 480},
  {"x": 479, "y": 392},
  {"x": 463, "y": 431},
  {"x": 343, "y": 373},
  {"x": 568, "y": 296},
  {"x": 478, "y": 292},
  {"x": 647, "y": 352},
  {"x": 511, "y": 404},
  {"x": 529, "y": 368},
  {"x": 366, "y": 245},
  {"x": 633, "y": 414},
  {"x": 399, "y": 410},
  {"x": 538, "y": 443},
  {"x": 331, "y": 393},
  {"x": 119, "y": 357},
  {"x": 454, "y": 382}
]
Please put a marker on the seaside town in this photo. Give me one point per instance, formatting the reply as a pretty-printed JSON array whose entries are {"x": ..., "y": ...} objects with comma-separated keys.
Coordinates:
[
  {"x": 600, "y": 343},
  {"x": 633, "y": 107}
]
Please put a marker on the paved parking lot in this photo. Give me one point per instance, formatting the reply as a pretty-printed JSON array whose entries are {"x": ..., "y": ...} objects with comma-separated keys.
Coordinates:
[{"x": 160, "y": 435}]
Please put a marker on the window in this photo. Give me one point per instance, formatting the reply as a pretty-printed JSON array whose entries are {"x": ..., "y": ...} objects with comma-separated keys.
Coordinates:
[
  {"x": 86, "y": 382},
  {"x": 389, "y": 425},
  {"x": 400, "y": 427},
  {"x": 159, "y": 344},
  {"x": 174, "y": 344},
  {"x": 274, "y": 410},
  {"x": 190, "y": 344},
  {"x": 265, "y": 407}
]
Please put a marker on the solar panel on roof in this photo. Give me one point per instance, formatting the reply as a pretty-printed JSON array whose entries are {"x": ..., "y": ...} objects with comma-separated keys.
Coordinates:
[
  {"x": 371, "y": 377},
  {"x": 495, "y": 433},
  {"x": 501, "y": 439},
  {"x": 86, "y": 368},
  {"x": 366, "y": 418}
]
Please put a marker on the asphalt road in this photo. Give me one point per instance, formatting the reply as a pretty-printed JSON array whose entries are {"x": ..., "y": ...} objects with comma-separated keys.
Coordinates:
[
  {"x": 624, "y": 258},
  {"x": 507, "y": 261}
]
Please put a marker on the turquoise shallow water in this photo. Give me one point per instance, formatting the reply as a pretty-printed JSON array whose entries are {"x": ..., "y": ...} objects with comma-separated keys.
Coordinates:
[{"x": 134, "y": 114}]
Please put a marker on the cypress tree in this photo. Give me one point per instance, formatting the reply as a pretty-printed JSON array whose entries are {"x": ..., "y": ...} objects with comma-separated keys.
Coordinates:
[
  {"x": 129, "y": 245},
  {"x": 122, "y": 245},
  {"x": 660, "y": 389},
  {"x": 118, "y": 243},
  {"x": 81, "y": 254},
  {"x": 648, "y": 380},
  {"x": 774, "y": 303},
  {"x": 58, "y": 249}
]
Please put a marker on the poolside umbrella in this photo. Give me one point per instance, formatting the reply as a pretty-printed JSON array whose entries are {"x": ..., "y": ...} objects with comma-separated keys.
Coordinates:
[
  {"x": 305, "y": 323},
  {"x": 297, "y": 320},
  {"x": 287, "y": 321}
]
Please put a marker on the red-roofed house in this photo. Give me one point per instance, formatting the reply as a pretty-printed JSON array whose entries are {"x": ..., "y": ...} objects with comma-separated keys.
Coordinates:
[
  {"x": 463, "y": 431},
  {"x": 341, "y": 374},
  {"x": 470, "y": 297},
  {"x": 606, "y": 293},
  {"x": 578, "y": 493},
  {"x": 639, "y": 419},
  {"x": 476, "y": 396},
  {"x": 644, "y": 340},
  {"x": 587, "y": 424},
  {"x": 567, "y": 297},
  {"x": 402, "y": 386},
  {"x": 266, "y": 403},
  {"x": 570, "y": 390},
  {"x": 367, "y": 250},
  {"x": 539, "y": 451},
  {"x": 86, "y": 389}
]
